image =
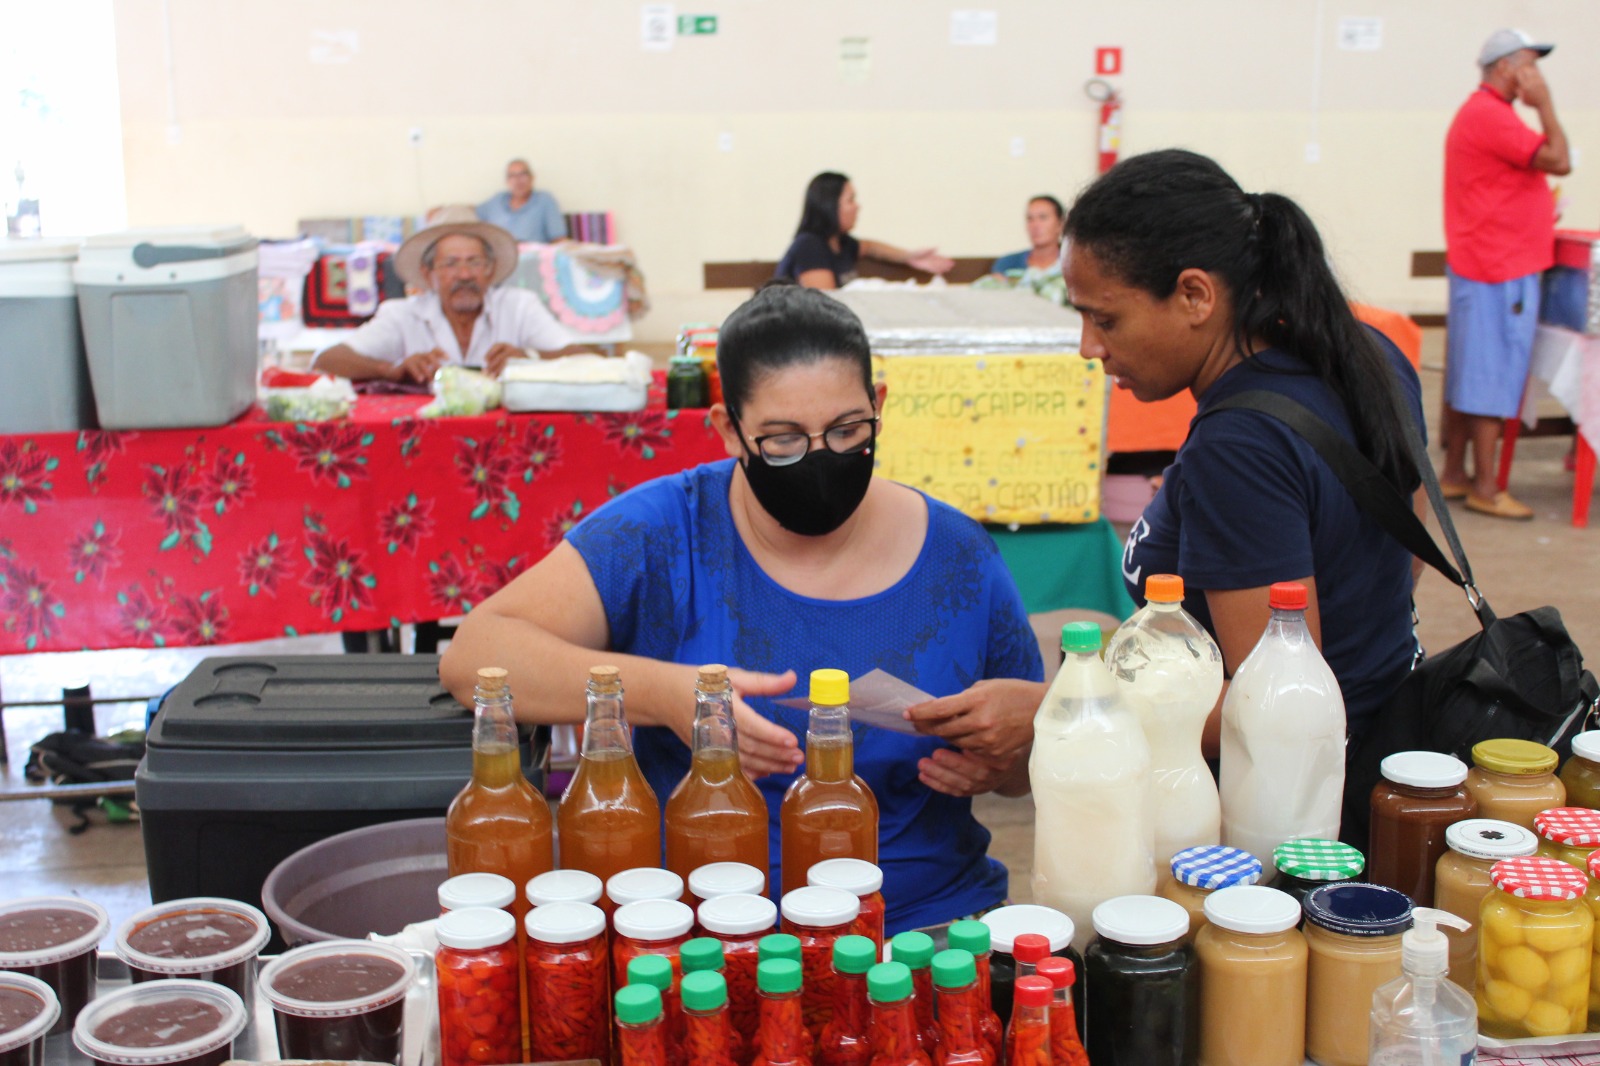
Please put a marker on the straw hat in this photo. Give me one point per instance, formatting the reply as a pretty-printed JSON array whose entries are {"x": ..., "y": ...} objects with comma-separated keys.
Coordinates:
[{"x": 457, "y": 218}]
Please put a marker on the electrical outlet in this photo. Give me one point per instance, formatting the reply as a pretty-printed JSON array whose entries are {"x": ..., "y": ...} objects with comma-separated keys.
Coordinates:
[{"x": 415, "y": 135}]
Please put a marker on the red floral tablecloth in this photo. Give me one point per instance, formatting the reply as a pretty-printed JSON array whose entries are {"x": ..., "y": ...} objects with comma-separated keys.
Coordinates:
[{"x": 260, "y": 529}]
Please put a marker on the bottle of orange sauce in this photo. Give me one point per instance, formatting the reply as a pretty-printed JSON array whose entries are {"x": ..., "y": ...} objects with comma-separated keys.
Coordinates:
[{"x": 828, "y": 812}]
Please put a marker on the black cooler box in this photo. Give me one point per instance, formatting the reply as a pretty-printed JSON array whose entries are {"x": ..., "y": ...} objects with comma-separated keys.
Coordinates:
[{"x": 252, "y": 759}]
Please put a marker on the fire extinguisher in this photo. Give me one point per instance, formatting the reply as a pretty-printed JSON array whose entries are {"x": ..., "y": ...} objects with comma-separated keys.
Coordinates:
[{"x": 1109, "y": 130}]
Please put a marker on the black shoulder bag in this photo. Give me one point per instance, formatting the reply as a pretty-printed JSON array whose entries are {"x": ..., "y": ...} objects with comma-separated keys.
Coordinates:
[{"x": 1519, "y": 677}]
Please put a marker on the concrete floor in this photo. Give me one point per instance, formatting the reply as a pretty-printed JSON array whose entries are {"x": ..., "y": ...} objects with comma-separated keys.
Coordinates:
[{"x": 1518, "y": 565}]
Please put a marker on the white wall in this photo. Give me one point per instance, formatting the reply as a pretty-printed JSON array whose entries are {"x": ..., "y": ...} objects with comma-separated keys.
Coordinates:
[{"x": 250, "y": 128}]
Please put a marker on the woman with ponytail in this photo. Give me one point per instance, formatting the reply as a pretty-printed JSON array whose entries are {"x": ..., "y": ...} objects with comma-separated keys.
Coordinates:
[{"x": 1187, "y": 283}]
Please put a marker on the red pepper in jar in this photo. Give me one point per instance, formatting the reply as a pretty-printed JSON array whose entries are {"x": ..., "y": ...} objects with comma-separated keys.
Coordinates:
[
  {"x": 894, "y": 1037},
  {"x": 973, "y": 936},
  {"x": 916, "y": 951},
  {"x": 781, "y": 1038},
  {"x": 862, "y": 879},
  {"x": 740, "y": 921},
  {"x": 846, "y": 1039},
  {"x": 955, "y": 980},
  {"x": 480, "y": 1006},
  {"x": 641, "y": 1034},
  {"x": 569, "y": 981},
  {"x": 708, "y": 1038},
  {"x": 1065, "y": 1047},
  {"x": 817, "y": 917},
  {"x": 1028, "y": 1037}
]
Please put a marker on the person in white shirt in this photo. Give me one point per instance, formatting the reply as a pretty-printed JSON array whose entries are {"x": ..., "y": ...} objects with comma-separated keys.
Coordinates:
[{"x": 463, "y": 317}]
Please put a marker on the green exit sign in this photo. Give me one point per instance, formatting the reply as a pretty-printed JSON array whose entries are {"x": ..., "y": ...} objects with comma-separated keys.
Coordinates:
[{"x": 696, "y": 25}]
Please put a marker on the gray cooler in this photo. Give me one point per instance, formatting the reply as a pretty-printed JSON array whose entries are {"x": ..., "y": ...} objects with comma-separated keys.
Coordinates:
[
  {"x": 41, "y": 343},
  {"x": 169, "y": 322}
]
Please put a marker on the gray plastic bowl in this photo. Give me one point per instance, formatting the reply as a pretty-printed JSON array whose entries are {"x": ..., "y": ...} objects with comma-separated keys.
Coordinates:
[{"x": 376, "y": 879}]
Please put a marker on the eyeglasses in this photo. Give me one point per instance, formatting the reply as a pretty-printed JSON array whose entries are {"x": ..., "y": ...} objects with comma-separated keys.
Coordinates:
[
  {"x": 786, "y": 449},
  {"x": 474, "y": 263}
]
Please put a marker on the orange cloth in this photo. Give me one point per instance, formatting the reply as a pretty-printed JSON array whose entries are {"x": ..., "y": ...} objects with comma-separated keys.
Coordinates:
[{"x": 1406, "y": 334}]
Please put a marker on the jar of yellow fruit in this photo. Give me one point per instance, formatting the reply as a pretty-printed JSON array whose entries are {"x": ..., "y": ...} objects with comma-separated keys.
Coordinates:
[
  {"x": 1591, "y": 896},
  {"x": 1535, "y": 949},
  {"x": 1568, "y": 834}
]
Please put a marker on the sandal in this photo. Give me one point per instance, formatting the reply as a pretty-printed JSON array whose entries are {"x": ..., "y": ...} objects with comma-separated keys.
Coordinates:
[{"x": 1503, "y": 505}]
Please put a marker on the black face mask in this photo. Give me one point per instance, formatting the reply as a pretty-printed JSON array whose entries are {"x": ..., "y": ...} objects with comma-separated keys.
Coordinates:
[{"x": 814, "y": 496}]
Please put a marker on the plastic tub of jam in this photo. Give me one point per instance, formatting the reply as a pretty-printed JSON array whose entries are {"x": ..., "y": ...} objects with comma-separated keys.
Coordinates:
[
  {"x": 339, "y": 999},
  {"x": 54, "y": 938},
  {"x": 1513, "y": 780},
  {"x": 162, "y": 1023},
  {"x": 476, "y": 890},
  {"x": 564, "y": 886},
  {"x": 1421, "y": 795},
  {"x": 1308, "y": 863},
  {"x": 862, "y": 879},
  {"x": 202, "y": 938},
  {"x": 28, "y": 1008},
  {"x": 725, "y": 879},
  {"x": 1005, "y": 925}
]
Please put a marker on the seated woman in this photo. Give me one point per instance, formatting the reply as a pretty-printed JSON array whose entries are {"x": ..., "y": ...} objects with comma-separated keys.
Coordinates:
[
  {"x": 823, "y": 255},
  {"x": 1043, "y": 221},
  {"x": 787, "y": 557},
  {"x": 1186, "y": 282}
]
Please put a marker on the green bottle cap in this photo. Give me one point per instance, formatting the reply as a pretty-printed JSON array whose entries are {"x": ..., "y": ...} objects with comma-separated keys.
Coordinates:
[
  {"x": 638, "y": 1004},
  {"x": 1081, "y": 637},
  {"x": 889, "y": 982},
  {"x": 778, "y": 976},
  {"x": 778, "y": 946},
  {"x": 854, "y": 954},
  {"x": 652, "y": 970},
  {"x": 701, "y": 953},
  {"x": 954, "y": 968},
  {"x": 969, "y": 935},
  {"x": 703, "y": 990},
  {"x": 913, "y": 949}
]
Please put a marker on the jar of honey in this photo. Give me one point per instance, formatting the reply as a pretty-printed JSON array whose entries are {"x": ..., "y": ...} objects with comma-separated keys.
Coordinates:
[
  {"x": 1422, "y": 792},
  {"x": 1569, "y": 834},
  {"x": 1353, "y": 934},
  {"x": 1307, "y": 863},
  {"x": 1535, "y": 950},
  {"x": 1252, "y": 963},
  {"x": 1513, "y": 780},
  {"x": 1461, "y": 880},
  {"x": 1581, "y": 775},
  {"x": 1199, "y": 871}
]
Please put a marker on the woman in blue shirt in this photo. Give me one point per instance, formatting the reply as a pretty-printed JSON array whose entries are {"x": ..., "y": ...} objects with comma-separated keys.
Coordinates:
[
  {"x": 1043, "y": 221},
  {"x": 787, "y": 557}
]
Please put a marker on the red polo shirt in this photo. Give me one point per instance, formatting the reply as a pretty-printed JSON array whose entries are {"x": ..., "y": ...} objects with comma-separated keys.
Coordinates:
[{"x": 1499, "y": 216}]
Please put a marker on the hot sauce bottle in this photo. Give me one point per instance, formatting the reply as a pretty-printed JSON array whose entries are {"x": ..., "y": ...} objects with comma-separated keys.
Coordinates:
[
  {"x": 846, "y": 1038},
  {"x": 973, "y": 936},
  {"x": 659, "y": 972},
  {"x": 704, "y": 954},
  {"x": 715, "y": 814},
  {"x": 781, "y": 1037},
  {"x": 916, "y": 951},
  {"x": 641, "y": 1034},
  {"x": 818, "y": 917},
  {"x": 955, "y": 982},
  {"x": 1028, "y": 1035},
  {"x": 1065, "y": 1047},
  {"x": 828, "y": 811},
  {"x": 707, "y": 1034},
  {"x": 609, "y": 818},
  {"x": 894, "y": 1020}
]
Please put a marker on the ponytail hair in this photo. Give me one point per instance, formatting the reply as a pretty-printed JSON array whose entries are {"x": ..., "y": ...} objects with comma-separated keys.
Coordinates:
[{"x": 1153, "y": 216}]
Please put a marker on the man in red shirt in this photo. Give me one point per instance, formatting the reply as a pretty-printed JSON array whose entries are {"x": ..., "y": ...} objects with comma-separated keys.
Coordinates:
[{"x": 1499, "y": 219}]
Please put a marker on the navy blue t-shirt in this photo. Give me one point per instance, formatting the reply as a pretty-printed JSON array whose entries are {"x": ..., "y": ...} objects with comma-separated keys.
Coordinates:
[
  {"x": 1248, "y": 502},
  {"x": 810, "y": 252},
  {"x": 679, "y": 585}
]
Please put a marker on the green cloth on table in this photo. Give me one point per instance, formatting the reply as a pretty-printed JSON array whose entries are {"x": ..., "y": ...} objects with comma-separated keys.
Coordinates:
[{"x": 1062, "y": 566}]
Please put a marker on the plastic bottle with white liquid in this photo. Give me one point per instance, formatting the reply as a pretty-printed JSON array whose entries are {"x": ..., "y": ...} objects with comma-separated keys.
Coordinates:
[
  {"x": 1090, "y": 771},
  {"x": 1170, "y": 672},
  {"x": 1282, "y": 736},
  {"x": 1422, "y": 1018}
]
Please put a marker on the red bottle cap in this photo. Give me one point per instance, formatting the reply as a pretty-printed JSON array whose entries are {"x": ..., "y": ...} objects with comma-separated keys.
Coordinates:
[
  {"x": 1060, "y": 972},
  {"x": 1031, "y": 947},
  {"x": 1287, "y": 596},
  {"x": 1033, "y": 992}
]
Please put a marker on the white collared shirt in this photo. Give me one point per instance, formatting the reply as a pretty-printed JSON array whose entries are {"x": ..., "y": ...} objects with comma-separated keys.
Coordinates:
[{"x": 417, "y": 324}]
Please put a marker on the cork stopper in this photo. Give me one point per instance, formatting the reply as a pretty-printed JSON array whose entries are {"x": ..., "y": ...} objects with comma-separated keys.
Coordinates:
[
  {"x": 491, "y": 682},
  {"x": 605, "y": 679},
  {"x": 711, "y": 678}
]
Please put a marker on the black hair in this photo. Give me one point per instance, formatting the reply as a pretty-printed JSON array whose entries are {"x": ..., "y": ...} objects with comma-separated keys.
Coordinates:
[
  {"x": 1153, "y": 216},
  {"x": 785, "y": 325},
  {"x": 1045, "y": 198},
  {"x": 820, "y": 215}
]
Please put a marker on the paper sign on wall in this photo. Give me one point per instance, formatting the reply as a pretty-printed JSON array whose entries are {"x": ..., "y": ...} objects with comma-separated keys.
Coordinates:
[
  {"x": 974, "y": 27},
  {"x": 656, "y": 26},
  {"x": 332, "y": 47},
  {"x": 855, "y": 58},
  {"x": 1361, "y": 34}
]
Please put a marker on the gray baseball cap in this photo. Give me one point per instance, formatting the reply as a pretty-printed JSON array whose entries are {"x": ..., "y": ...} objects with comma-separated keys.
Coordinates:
[{"x": 1502, "y": 43}]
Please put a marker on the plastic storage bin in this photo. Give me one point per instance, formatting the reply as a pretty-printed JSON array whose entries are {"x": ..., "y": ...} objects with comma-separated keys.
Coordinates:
[
  {"x": 169, "y": 324},
  {"x": 41, "y": 353}
]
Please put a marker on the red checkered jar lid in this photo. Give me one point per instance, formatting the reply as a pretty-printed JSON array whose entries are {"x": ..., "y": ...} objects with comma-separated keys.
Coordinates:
[
  {"x": 1569, "y": 826},
  {"x": 1539, "y": 879}
]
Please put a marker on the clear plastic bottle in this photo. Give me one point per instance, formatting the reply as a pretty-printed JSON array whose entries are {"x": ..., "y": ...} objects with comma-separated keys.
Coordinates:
[
  {"x": 1170, "y": 671},
  {"x": 1421, "y": 1018},
  {"x": 1282, "y": 736},
  {"x": 1090, "y": 770}
]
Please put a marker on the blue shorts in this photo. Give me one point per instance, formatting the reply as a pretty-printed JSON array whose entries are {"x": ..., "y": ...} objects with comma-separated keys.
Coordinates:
[{"x": 1488, "y": 340}]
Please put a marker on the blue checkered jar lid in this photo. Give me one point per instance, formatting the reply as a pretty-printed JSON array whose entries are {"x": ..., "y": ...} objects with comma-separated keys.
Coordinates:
[{"x": 1214, "y": 866}]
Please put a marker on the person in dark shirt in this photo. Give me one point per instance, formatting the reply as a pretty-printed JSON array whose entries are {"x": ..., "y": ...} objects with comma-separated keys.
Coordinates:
[{"x": 823, "y": 254}]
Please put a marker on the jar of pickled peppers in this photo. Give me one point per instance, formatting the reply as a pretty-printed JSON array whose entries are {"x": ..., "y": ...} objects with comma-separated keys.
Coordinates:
[
  {"x": 480, "y": 1009},
  {"x": 568, "y": 982}
]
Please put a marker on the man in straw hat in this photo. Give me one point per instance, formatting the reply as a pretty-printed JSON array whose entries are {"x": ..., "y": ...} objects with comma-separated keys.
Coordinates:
[{"x": 463, "y": 316}]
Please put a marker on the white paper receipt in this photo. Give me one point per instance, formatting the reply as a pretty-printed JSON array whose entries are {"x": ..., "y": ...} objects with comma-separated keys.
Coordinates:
[{"x": 876, "y": 699}]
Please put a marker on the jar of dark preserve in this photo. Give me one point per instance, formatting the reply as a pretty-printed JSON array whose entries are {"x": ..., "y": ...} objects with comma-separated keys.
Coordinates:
[
  {"x": 339, "y": 999},
  {"x": 162, "y": 1023},
  {"x": 28, "y": 1008},
  {"x": 1308, "y": 863},
  {"x": 1143, "y": 987},
  {"x": 54, "y": 939},
  {"x": 1005, "y": 925},
  {"x": 204, "y": 938},
  {"x": 1421, "y": 795}
]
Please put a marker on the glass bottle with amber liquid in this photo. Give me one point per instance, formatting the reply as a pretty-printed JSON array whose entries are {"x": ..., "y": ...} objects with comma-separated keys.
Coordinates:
[
  {"x": 498, "y": 823},
  {"x": 829, "y": 812},
  {"x": 609, "y": 819},
  {"x": 715, "y": 814}
]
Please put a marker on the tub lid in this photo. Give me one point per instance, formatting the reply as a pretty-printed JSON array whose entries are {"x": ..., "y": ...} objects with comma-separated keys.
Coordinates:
[
  {"x": 1140, "y": 920},
  {"x": 35, "y": 1027},
  {"x": 1007, "y": 923},
  {"x": 1571, "y": 827},
  {"x": 1311, "y": 859},
  {"x": 198, "y": 932},
  {"x": 1424, "y": 769},
  {"x": 1215, "y": 866},
  {"x": 99, "y": 923},
  {"x": 231, "y": 1021},
  {"x": 1508, "y": 756},
  {"x": 1252, "y": 909},
  {"x": 1538, "y": 878},
  {"x": 1357, "y": 909},
  {"x": 1490, "y": 838},
  {"x": 42, "y": 250}
]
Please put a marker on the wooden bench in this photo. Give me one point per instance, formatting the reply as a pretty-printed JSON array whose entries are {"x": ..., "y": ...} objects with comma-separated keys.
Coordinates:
[
  {"x": 1427, "y": 265},
  {"x": 752, "y": 273}
]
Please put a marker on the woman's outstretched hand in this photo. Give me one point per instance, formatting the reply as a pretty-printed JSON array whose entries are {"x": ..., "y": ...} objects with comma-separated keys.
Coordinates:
[{"x": 765, "y": 747}]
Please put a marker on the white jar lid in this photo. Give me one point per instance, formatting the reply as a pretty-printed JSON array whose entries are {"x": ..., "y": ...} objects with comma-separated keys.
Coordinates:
[
  {"x": 653, "y": 919},
  {"x": 1007, "y": 923},
  {"x": 1140, "y": 920},
  {"x": 1252, "y": 909},
  {"x": 1424, "y": 769},
  {"x": 738, "y": 915},
  {"x": 564, "y": 886},
  {"x": 1490, "y": 838},
  {"x": 471, "y": 928},
  {"x": 1586, "y": 745},
  {"x": 476, "y": 890},
  {"x": 641, "y": 883},
  {"x": 564, "y": 922},
  {"x": 820, "y": 908},
  {"x": 726, "y": 879},
  {"x": 857, "y": 876}
]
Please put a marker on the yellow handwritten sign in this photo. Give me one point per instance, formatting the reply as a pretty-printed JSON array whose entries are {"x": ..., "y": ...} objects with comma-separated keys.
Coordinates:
[{"x": 1002, "y": 438}]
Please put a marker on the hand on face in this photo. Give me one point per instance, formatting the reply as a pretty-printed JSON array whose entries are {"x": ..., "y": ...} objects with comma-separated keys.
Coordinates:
[{"x": 1530, "y": 85}]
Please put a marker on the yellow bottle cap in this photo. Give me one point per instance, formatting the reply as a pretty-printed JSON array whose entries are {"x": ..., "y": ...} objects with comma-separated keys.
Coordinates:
[
  {"x": 1506, "y": 756},
  {"x": 830, "y": 688}
]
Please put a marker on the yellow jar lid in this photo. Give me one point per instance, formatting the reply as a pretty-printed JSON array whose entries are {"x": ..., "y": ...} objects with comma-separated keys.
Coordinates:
[
  {"x": 830, "y": 688},
  {"x": 1514, "y": 757}
]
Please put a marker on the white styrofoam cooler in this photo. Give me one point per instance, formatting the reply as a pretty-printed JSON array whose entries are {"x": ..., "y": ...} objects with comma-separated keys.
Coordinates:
[
  {"x": 41, "y": 342},
  {"x": 169, "y": 324}
]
